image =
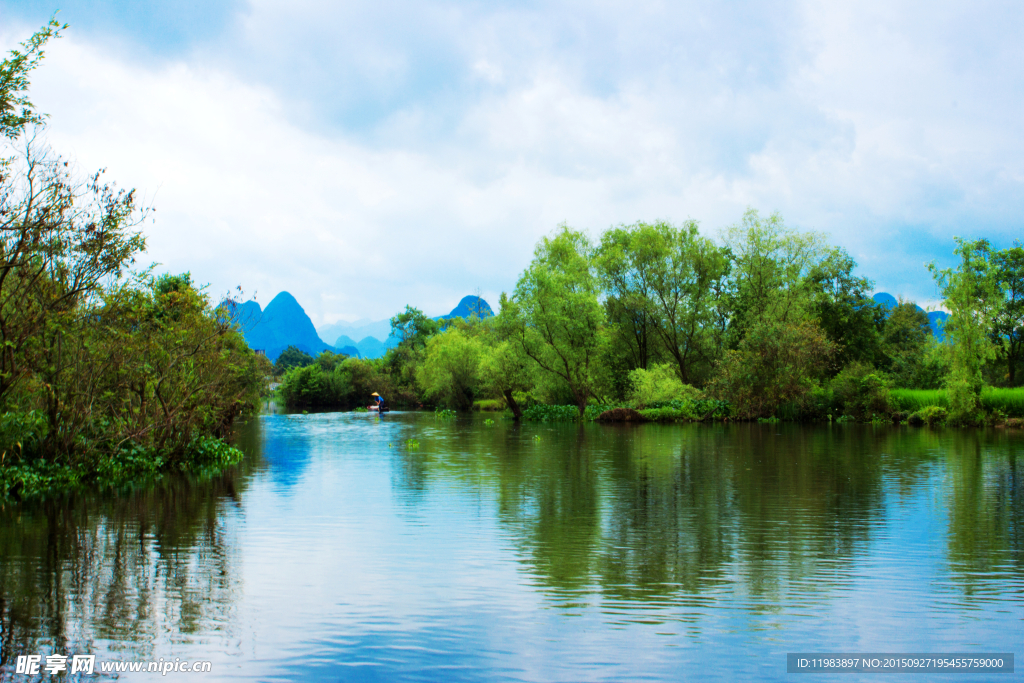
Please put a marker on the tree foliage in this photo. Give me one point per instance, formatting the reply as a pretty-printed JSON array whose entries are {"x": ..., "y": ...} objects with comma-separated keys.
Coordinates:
[
  {"x": 1008, "y": 324},
  {"x": 776, "y": 363},
  {"x": 971, "y": 293},
  {"x": 450, "y": 372},
  {"x": 554, "y": 315},
  {"x": 103, "y": 363}
]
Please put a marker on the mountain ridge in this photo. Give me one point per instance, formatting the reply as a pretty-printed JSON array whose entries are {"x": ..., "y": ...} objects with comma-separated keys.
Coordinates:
[{"x": 284, "y": 323}]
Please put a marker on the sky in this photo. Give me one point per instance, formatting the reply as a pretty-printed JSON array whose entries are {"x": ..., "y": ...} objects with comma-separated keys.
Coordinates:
[{"x": 365, "y": 156}]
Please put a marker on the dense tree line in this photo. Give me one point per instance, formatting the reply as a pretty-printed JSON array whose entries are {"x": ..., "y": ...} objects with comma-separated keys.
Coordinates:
[
  {"x": 106, "y": 372},
  {"x": 767, "y": 319}
]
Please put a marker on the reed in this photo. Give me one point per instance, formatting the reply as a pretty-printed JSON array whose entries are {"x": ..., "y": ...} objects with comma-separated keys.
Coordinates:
[{"x": 1009, "y": 401}]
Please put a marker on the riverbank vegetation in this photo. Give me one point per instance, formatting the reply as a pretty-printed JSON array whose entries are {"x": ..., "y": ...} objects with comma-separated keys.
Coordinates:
[
  {"x": 108, "y": 374},
  {"x": 664, "y": 323}
]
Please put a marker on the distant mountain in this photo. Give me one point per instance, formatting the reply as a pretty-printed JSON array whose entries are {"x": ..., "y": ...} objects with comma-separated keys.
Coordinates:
[
  {"x": 246, "y": 315},
  {"x": 344, "y": 340},
  {"x": 370, "y": 333},
  {"x": 470, "y": 306},
  {"x": 371, "y": 347},
  {"x": 356, "y": 330},
  {"x": 936, "y": 319},
  {"x": 282, "y": 324}
]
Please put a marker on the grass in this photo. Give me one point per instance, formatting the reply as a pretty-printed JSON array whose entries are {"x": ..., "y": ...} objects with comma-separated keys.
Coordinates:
[
  {"x": 1009, "y": 401},
  {"x": 488, "y": 404},
  {"x": 913, "y": 400}
]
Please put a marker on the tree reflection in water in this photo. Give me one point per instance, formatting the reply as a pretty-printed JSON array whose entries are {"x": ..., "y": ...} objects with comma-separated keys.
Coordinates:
[
  {"x": 82, "y": 569},
  {"x": 672, "y": 515}
]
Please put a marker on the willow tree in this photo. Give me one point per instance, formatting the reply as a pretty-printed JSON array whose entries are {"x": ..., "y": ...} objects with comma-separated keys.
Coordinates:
[
  {"x": 554, "y": 315},
  {"x": 971, "y": 293},
  {"x": 779, "y": 348},
  {"x": 677, "y": 279},
  {"x": 450, "y": 371}
]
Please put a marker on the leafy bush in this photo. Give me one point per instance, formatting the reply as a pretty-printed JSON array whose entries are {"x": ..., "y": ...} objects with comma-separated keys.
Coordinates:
[
  {"x": 658, "y": 384},
  {"x": 206, "y": 452},
  {"x": 562, "y": 413},
  {"x": 860, "y": 391},
  {"x": 930, "y": 415},
  {"x": 774, "y": 364},
  {"x": 669, "y": 414},
  {"x": 21, "y": 434},
  {"x": 311, "y": 386}
]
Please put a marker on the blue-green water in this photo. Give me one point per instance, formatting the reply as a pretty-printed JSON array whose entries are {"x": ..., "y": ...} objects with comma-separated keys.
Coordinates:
[{"x": 541, "y": 552}]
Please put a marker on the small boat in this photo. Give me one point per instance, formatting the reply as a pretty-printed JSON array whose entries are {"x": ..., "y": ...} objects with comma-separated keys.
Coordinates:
[{"x": 375, "y": 409}]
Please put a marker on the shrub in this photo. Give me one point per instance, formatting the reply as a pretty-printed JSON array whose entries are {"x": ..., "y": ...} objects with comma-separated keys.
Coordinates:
[
  {"x": 657, "y": 384},
  {"x": 21, "y": 434},
  {"x": 488, "y": 404},
  {"x": 774, "y": 364},
  {"x": 860, "y": 391},
  {"x": 620, "y": 415},
  {"x": 562, "y": 413},
  {"x": 931, "y": 416},
  {"x": 669, "y": 414}
]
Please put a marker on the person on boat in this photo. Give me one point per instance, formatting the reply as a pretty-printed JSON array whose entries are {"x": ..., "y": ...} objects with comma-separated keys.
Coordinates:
[{"x": 380, "y": 401}]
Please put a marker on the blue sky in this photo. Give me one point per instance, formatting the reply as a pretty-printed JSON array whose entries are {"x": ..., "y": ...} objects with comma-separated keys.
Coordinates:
[{"x": 365, "y": 156}]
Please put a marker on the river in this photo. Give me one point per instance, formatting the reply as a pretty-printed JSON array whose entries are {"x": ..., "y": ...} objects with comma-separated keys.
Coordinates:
[{"x": 354, "y": 547}]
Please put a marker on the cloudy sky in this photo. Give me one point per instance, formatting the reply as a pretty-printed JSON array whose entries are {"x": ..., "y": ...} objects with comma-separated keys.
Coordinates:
[{"x": 367, "y": 155}]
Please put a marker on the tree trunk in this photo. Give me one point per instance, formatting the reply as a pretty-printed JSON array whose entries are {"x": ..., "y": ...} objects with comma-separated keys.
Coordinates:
[
  {"x": 581, "y": 404},
  {"x": 517, "y": 412}
]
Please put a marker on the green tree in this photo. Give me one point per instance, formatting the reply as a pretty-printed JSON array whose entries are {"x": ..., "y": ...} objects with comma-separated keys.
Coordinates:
[
  {"x": 672, "y": 282},
  {"x": 774, "y": 364},
  {"x": 771, "y": 267},
  {"x": 16, "y": 110},
  {"x": 554, "y": 315},
  {"x": 1008, "y": 325},
  {"x": 658, "y": 383},
  {"x": 60, "y": 237},
  {"x": 505, "y": 371},
  {"x": 971, "y": 293},
  {"x": 412, "y": 328},
  {"x": 450, "y": 372},
  {"x": 623, "y": 264},
  {"x": 843, "y": 309},
  {"x": 292, "y": 357}
]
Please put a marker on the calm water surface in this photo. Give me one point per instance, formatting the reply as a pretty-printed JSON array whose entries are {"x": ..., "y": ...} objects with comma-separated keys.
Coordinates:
[{"x": 538, "y": 552}]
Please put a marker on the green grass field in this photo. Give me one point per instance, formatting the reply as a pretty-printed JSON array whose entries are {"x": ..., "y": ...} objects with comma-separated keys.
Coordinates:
[{"x": 1010, "y": 401}]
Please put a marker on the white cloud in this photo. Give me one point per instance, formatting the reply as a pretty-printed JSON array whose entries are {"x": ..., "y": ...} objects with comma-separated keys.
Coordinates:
[{"x": 365, "y": 158}]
